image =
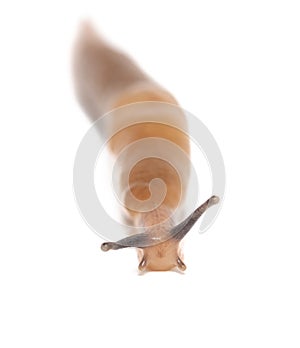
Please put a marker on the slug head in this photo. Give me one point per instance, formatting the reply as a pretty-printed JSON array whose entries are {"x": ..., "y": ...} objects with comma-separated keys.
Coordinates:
[
  {"x": 161, "y": 257},
  {"x": 157, "y": 252}
]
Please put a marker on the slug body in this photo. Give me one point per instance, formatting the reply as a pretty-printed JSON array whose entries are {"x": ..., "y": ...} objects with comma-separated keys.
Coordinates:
[{"x": 107, "y": 80}]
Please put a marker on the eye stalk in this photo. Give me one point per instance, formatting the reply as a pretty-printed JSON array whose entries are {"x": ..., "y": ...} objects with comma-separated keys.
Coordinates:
[
  {"x": 179, "y": 231},
  {"x": 144, "y": 240},
  {"x": 111, "y": 246}
]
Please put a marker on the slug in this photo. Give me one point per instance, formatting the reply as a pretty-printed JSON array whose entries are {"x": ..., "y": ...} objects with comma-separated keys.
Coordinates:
[{"x": 107, "y": 80}]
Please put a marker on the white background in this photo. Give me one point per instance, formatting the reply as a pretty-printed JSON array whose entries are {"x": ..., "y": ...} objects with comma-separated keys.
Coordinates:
[{"x": 235, "y": 64}]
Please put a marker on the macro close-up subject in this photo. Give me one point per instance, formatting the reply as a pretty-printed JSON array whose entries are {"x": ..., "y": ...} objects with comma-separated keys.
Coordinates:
[
  {"x": 146, "y": 152},
  {"x": 139, "y": 114}
]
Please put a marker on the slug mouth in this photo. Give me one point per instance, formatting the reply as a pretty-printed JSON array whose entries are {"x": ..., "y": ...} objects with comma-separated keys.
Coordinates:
[{"x": 144, "y": 240}]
